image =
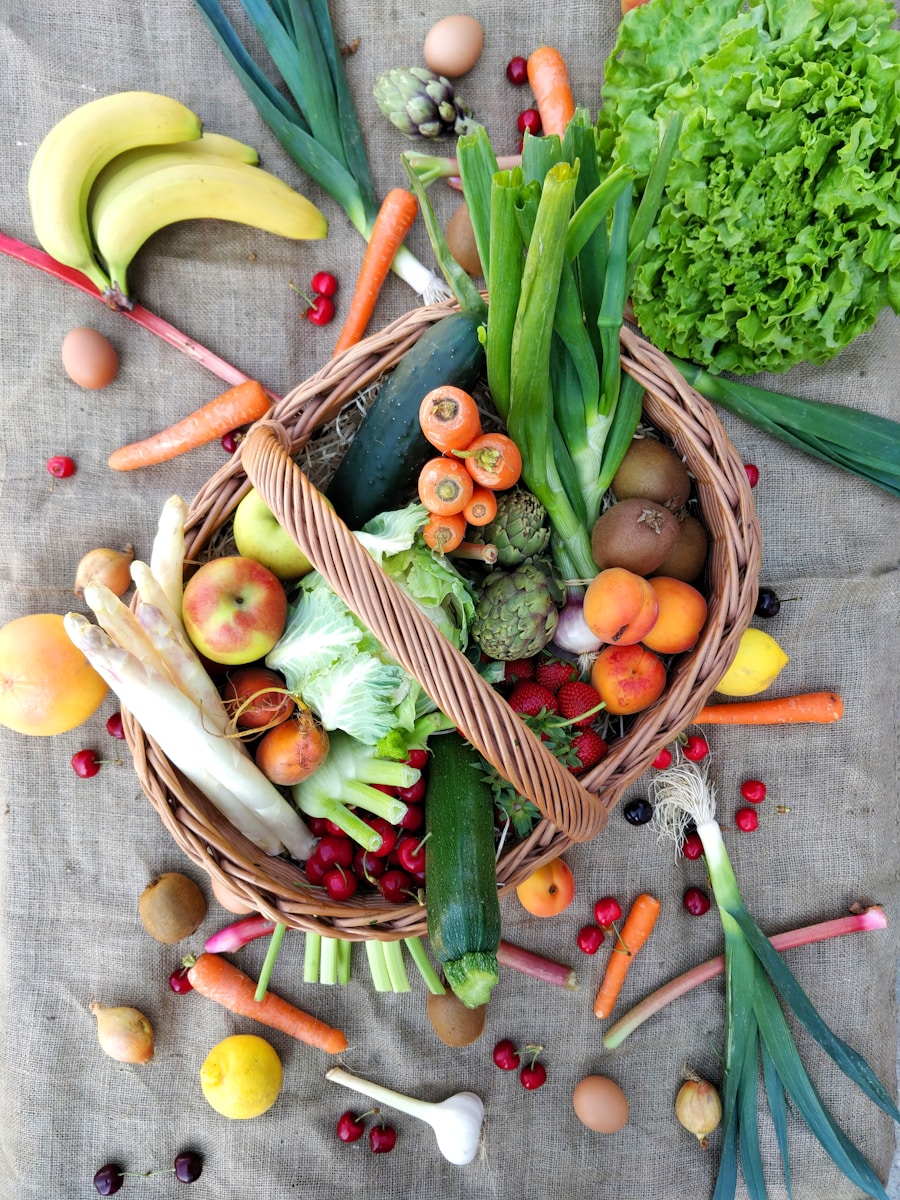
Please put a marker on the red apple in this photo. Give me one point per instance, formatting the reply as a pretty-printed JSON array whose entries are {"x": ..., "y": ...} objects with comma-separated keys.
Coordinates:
[{"x": 234, "y": 610}]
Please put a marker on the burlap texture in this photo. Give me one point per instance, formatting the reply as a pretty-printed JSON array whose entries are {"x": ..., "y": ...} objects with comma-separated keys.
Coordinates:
[{"x": 75, "y": 854}]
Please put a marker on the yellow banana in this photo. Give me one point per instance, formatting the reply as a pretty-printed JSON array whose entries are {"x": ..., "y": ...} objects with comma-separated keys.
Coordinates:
[
  {"x": 74, "y": 152},
  {"x": 226, "y": 191},
  {"x": 129, "y": 166}
]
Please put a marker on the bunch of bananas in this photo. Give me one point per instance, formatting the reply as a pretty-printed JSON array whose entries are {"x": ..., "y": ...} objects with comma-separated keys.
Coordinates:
[{"x": 118, "y": 169}]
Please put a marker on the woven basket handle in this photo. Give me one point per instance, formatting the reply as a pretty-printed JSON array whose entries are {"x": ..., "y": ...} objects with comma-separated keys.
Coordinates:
[{"x": 447, "y": 677}]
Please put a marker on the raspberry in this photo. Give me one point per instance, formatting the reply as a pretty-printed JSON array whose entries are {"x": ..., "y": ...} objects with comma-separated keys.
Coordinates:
[
  {"x": 589, "y": 748},
  {"x": 575, "y": 699},
  {"x": 552, "y": 673},
  {"x": 528, "y": 699}
]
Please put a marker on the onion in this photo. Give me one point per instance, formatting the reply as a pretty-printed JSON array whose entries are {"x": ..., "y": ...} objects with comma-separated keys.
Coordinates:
[
  {"x": 124, "y": 1033},
  {"x": 698, "y": 1108},
  {"x": 573, "y": 636},
  {"x": 109, "y": 567}
]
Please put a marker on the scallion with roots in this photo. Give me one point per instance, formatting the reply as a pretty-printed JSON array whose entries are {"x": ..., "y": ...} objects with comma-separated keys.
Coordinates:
[{"x": 756, "y": 1030}]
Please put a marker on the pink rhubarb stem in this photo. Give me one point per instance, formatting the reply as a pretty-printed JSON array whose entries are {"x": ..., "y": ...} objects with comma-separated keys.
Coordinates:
[
  {"x": 140, "y": 315},
  {"x": 232, "y": 937},
  {"x": 536, "y": 966},
  {"x": 870, "y": 918}
]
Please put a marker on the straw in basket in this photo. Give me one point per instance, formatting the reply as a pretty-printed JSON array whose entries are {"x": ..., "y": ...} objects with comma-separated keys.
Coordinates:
[{"x": 571, "y": 810}]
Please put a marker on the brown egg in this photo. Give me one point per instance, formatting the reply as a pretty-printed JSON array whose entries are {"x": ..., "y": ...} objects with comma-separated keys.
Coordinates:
[
  {"x": 88, "y": 358},
  {"x": 600, "y": 1104},
  {"x": 453, "y": 46}
]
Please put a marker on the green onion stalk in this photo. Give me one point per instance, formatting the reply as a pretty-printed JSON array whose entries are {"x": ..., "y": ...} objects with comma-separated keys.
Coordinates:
[
  {"x": 316, "y": 123},
  {"x": 757, "y": 1034}
]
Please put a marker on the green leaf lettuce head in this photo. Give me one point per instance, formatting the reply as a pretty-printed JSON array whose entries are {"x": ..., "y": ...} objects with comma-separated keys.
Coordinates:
[
  {"x": 331, "y": 661},
  {"x": 778, "y": 240}
]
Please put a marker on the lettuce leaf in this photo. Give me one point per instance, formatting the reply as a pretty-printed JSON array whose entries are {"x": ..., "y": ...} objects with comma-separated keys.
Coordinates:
[{"x": 778, "y": 240}]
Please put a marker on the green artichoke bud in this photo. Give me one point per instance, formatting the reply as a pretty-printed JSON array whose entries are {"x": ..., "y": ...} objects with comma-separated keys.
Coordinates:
[
  {"x": 516, "y": 612},
  {"x": 519, "y": 530},
  {"x": 421, "y": 104}
]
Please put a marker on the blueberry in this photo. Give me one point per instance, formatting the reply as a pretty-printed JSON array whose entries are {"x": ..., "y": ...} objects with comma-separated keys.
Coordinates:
[{"x": 638, "y": 811}]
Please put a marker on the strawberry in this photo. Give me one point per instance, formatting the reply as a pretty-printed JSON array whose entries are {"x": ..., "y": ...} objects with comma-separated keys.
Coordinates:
[
  {"x": 589, "y": 748},
  {"x": 518, "y": 671},
  {"x": 529, "y": 699},
  {"x": 575, "y": 699},
  {"x": 552, "y": 673}
]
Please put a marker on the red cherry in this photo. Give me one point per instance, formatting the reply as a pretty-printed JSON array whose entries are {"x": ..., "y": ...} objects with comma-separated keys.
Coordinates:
[
  {"x": 340, "y": 884},
  {"x": 590, "y": 939},
  {"x": 696, "y": 902},
  {"x": 349, "y": 1127},
  {"x": 529, "y": 121},
  {"x": 114, "y": 726},
  {"x": 533, "y": 1077},
  {"x": 505, "y": 1056},
  {"x": 417, "y": 758},
  {"x": 314, "y": 870},
  {"x": 607, "y": 911},
  {"x": 414, "y": 793},
  {"x": 335, "y": 851},
  {"x": 85, "y": 763},
  {"x": 692, "y": 846},
  {"x": 695, "y": 748},
  {"x": 517, "y": 71},
  {"x": 323, "y": 283},
  {"x": 321, "y": 311},
  {"x": 382, "y": 1139},
  {"x": 413, "y": 818},
  {"x": 752, "y": 474},
  {"x": 231, "y": 441},
  {"x": 388, "y": 835},
  {"x": 179, "y": 982},
  {"x": 746, "y": 819},
  {"x": 368, "y": 866},
  {"x": 61, "y": 466},
  {"x": 663, "y": 759},
  {"x": 411, "y": 855},
  {"x": 753, "y": 790},
  {"x": 395, "y": 885}
]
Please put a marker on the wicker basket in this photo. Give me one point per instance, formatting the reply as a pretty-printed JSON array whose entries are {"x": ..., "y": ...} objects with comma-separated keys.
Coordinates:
[{"x": 572, "y": 810}]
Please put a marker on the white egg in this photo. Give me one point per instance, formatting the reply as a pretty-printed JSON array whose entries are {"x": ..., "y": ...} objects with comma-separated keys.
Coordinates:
[{"x": 453, "y": 45}]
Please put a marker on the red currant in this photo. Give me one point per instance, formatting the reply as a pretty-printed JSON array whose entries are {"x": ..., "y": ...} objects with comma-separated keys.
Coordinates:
[
  {"x": 534, "y": 1076},
  {"x": 349, "y": 1127},
  {"x": 529, "y": 121},
  {"x": 505, "y": 1056},
  {"x": 114, "y": 726},
  {"x": 753, "y": 790},
  {"x": 323, "y": 283},
  {"x": 607, "y": 911},
  {"x": 85, "y": 763},
  {"x": 179, "y": 982},
  {"x": 61, "y": 466},
  {"x": 692, "y": 847},
  {"x": 590, "y": 939},
  {"x": 746, "y": 819},
  {"x": 752, "y": 474},
  {"x": 695, "y": 901},
  {"x": 517, "y": 70},
  {"x": 382, "y": 1139},
  {"x": 695, "y": 748},
  {"x": 663, "y": 759},
  {"x": 321, "y": 311}
]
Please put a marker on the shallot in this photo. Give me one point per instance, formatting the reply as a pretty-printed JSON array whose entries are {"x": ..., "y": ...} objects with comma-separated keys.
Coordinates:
[{"x": 124, "y": 1033}]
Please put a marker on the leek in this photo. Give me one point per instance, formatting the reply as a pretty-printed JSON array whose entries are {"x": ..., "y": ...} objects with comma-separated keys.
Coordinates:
[
  {"x": 756, "y": 1030},
  {"x": 317, "y": 124}
]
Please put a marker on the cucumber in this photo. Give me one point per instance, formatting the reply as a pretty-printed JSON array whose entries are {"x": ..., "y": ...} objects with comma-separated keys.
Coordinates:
[
  {"x": 381, "y": 466},
  {"x": 462, "y": 909}
]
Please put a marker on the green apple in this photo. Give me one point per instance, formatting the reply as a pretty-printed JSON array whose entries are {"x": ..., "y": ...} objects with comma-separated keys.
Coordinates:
[
  {"x": 234, "y": 610},
  {"x": 258, "y": 535}
]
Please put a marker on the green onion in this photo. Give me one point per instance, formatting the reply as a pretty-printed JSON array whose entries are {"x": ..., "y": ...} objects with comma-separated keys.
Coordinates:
[
  {"x": 328, "y": 961},
  {"x": 343, "y": 960},
  {"x": 265, "y": 974},
  {"x": 419, "y": 956},
  {"x": 312, "y": 953},
  {"x": 381, "y": 979},
  {"x": 396, "y": 968},
  {"x": 756, "y": 1029},
  {"x": 318, "y": 125}
]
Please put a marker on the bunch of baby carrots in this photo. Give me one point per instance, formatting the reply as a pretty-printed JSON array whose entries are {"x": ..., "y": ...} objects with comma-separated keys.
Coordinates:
[{"x": 458, "y": 485}]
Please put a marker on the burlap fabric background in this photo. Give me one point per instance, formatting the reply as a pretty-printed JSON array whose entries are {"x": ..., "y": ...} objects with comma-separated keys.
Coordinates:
[{"x": 76, "y": 854}]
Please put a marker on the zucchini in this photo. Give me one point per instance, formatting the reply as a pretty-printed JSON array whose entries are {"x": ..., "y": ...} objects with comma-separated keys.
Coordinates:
[
  {"x": 462, "y": 909},
  {"x": 382, "y": 464}
]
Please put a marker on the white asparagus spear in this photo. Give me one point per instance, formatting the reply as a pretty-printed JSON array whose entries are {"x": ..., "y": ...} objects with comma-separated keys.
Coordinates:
[{"x": 167, "y": 552}]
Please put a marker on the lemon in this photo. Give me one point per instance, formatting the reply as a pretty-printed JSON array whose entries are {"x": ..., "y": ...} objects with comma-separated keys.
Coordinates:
[
  {"x": 241, "y": 1076},
  {"x": 757, "y": 664}
]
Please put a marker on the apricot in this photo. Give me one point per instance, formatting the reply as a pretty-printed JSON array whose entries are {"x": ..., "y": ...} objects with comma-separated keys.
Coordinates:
[
  {"x": 682, "y": 613},
  {"x": 628, "y": 678},
  {"x": 620, "y": 607},
  {"x": 548, "y": 890}
]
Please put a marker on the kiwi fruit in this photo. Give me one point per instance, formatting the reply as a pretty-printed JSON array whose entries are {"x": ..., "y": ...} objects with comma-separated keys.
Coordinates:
[
  {"x": 461, "y": 241},
  {"x": 688, "y": 557},
  {"x": 171, "y": 907},
  {"x": 652, "y": 470},
  {"x": 452, "y": 1021},
  {"x": 637, "y": 534}
]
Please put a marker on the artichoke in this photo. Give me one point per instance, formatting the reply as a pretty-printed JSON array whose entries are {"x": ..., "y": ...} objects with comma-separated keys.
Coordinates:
[
  {"x": 516, "y": 612},
  {"x": 519, "y": 530},
  {"x": 421, "y": 104}
]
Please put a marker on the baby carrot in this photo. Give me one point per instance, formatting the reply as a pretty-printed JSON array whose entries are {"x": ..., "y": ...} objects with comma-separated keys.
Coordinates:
[
  {"x": 444, "y": 533},
  {"x": 637, "y": 928},
  {"x": 482, "y": 508},
  {"x": 445, "y": 486},
  {"x": 819, "y": 708},
  {"x": 493, "y": 460},
  {"x": 449, "y": 418},
  {"x": 240, "y": 405},
  {"x": 549, "y": 81},
  {"x": 394, "y": 220},
  {"x": 219, "y": 980}
]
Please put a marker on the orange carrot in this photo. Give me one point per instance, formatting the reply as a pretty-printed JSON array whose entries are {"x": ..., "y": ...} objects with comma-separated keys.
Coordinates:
[
  {"x": 814, "y": 707},
  {"x": 493, "y": 460},
  {"x": 482, "y": 508},
  {"x": 445, "y": 486},
  {"x": 217, "y": 979},
  {"x": 449, "y": 418},
  {"x": 241, "y": 404},
  {"x": 549, "y": 81},
  {"x": 637, "y": 928},
  {"x": 394, "y": 220},
  {"x": 444, "y": 533}
]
